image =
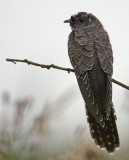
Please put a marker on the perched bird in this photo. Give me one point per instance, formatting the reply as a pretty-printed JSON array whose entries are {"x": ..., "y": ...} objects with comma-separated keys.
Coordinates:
[{"x": 91, "y": 56}]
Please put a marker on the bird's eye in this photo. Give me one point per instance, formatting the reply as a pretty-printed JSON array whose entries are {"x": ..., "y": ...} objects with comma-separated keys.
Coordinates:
[
  {"x": 72, "y": 18},
  {"x": 81, "y": 20}
]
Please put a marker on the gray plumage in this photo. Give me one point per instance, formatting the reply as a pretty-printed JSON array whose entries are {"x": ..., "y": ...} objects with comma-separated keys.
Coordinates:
[{"x": 91, "y": 56}]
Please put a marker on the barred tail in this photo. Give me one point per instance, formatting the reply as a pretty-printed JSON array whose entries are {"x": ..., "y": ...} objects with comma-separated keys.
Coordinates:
[{"x": 105, "y": 137}]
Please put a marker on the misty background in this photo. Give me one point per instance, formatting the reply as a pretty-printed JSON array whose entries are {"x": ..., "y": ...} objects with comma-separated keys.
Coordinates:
[{"x": 34, "y": 30}]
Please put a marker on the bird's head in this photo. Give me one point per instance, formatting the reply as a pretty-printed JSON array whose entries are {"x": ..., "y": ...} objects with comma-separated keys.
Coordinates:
[{"x": 82, "y": 19}]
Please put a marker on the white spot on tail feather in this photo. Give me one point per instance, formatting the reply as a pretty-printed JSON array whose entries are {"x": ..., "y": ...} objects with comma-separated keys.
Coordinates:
[
  {"x": 111, "y": 153},
  {"x": 109, "y": 143},
  {"x": 98, "y": 146},
  {"x": 102, "y": 149}
]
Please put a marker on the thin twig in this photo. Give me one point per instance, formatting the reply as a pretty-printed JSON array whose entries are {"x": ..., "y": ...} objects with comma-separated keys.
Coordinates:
[
  {"x": 57, "y": 67},
  {"x": 120, "y": 84},
  {"x": 40, "y": 65}
]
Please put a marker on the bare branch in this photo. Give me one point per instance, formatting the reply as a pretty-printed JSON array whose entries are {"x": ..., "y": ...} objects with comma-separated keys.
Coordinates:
[
  {"x": 120, "y": 84},
  {"x": 57, "y": 67},
  {"x": 40, "y": 65}
]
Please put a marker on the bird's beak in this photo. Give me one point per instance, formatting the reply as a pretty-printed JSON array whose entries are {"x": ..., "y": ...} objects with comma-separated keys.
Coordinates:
[{"x": 68, "y": 21}]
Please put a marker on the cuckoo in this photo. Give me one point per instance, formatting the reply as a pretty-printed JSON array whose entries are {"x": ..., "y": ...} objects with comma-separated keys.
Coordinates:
[{"x": 91, "y": 56}]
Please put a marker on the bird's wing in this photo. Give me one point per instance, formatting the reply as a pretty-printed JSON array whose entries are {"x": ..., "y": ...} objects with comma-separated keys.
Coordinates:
[
  {"x": 105, "y": 55},
  {"x": 89, "y": 99},
  {"x": 81, "y": 54},
  {"x": 104, "y": 52}
]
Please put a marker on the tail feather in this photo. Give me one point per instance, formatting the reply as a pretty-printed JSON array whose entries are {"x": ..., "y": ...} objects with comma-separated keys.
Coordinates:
[{"x": 106, "y": 137}]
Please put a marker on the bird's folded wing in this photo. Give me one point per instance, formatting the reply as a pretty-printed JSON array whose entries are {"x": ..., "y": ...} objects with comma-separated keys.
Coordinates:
[
  {"x": 89, "y": 99},
  {"x": 105, "y": 55},
  {"x": 104, "y": 52},
  {"x": 85, "y": 61}
]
